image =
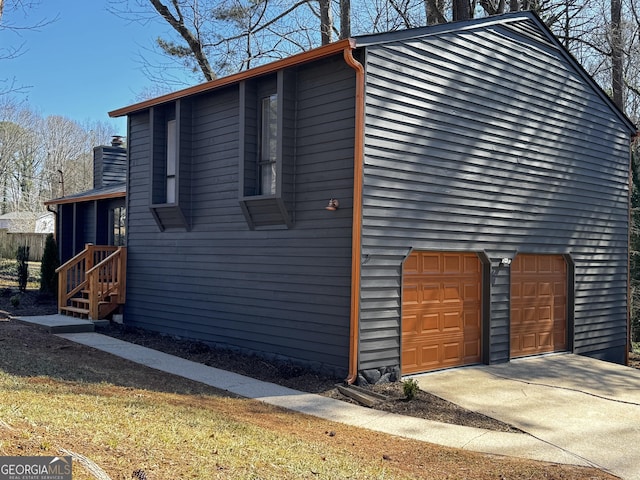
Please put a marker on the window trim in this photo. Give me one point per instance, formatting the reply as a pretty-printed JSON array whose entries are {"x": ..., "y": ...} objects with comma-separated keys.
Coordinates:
[
  {"x": 275, "y": 209},
  {"x": 171, "y": 130}
]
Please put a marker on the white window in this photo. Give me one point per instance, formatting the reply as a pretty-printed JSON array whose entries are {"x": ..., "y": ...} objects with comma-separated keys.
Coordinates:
[
  {"x": 268, "y": 144},
  {"x": 172, "y": 161}
]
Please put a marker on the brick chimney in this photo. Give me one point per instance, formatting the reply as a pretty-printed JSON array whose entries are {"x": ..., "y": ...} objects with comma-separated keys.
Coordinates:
[{"x": 110, "y": 163}]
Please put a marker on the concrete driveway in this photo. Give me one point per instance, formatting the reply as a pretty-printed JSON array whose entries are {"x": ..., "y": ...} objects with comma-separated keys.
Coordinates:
[{"x": 587, "y": 407}]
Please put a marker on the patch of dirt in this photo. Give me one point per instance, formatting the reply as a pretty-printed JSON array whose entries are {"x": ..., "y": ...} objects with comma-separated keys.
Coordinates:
[
  {"x": 29, "y": 303},
  {"x": 423, "y": 405}
]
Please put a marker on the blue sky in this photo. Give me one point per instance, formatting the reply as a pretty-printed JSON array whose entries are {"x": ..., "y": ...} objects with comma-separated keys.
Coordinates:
[{"x": 84, "y": 64}]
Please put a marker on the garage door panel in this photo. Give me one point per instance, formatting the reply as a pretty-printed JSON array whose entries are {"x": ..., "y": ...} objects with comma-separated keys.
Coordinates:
[
  {"x": 538, "y": 304},
  {"x": 471, "y": 320},
  {"x": 430, "y": 323},
  {"x": 529, "y": 290},
  {"x": 545, "y": 289},
  {"x": 430, "y": 355},
  {"x": 452, "y": 264},
  {"x": 428, "y": 263},
  {"x": 545, "y": 340},
  {"x": 560, "y": 339},
  {"x": 409, "y": 324},
  {"x": 410, "y": 356},
  {"x": 560, "y": 289},
  {"x": 411, "y": 264},
  {"x": 471, "y": 265},
  {"x": 544, "y": 313},
  {"x": 448, "y": 309},
  {"x": 528, "y": 340},
  {"x": 472, "y": 292},
  {"x": 410, "y": 294},
  {"x": 451, "y": 293},
  {"x": 430, "y": 293},
  {"x": 452, "y": 352},
  {"x": 471, "y": 351},
  {"x": 528, "y": 264},
  {"x": 452, "y": 322},
  {"x": 528, "y": 315}
]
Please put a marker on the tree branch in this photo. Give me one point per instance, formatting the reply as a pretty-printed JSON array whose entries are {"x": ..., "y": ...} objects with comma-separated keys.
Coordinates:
[{"x": 194, "y": 44}]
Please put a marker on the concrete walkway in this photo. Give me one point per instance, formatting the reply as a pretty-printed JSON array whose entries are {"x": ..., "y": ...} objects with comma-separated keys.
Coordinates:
[{"x": 493, "y": 390}]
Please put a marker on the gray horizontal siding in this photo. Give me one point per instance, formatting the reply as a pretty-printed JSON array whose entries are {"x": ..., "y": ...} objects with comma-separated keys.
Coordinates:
[
  {"x": 283, "y": 292},
  {"x": 490, "y": 141}
]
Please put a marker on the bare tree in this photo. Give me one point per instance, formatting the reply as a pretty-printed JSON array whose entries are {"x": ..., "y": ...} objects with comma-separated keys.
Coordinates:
[
  {"x": 37, "y": 153},
  {"x": 9, "y": 9},
  {"x": 616, "y": 53},
  {"x": 176, "y": 18},
  {"x": 435, "y": 12},
  {"x": 219, "y": 37},
  {"x": 345, "y": 18},
  {"x": 461, "y": 10}
]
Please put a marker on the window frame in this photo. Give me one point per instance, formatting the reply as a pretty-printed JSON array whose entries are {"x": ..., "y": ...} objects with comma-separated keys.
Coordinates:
[
  {"x": 171, "y": 166},
  {"x": 118, "y": 226},
  {"x": 170, "y": 173},
  {"x": 268, "y": 144},
  {"x": 276, "y": 208}
]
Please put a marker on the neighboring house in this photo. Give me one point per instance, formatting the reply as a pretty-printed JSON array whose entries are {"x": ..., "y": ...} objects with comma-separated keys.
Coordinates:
[
  {"x": 18, "y": 222},
  {"x": 96, "y": 216},
  {"x": 482, "y": 213},
  {"x": 24, "y": 229},
  {"x": 45, "y": 223}
]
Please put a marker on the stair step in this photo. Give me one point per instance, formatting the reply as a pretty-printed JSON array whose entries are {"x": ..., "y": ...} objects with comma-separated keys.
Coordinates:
[
  {"x": 85, "y": 294},
  {"x": 75, "y": 309},
  {"x": 75, "y": 312}
]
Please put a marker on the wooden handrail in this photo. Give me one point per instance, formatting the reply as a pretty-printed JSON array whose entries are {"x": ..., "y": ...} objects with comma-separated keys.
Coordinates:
[
  {"x": 73, "y": 274},
  {"x": 107, "y": 279}
]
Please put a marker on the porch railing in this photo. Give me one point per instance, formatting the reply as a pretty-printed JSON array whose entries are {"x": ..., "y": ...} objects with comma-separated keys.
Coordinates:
[
  {"x": 107, "y": 282},
  {"x": 98, "y": 269}
]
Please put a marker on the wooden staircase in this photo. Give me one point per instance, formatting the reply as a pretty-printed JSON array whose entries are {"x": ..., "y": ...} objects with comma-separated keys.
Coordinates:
[{"x": 92, "y": 284}]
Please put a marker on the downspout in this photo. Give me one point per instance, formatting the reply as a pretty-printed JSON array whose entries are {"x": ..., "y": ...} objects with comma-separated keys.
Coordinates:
[
  {"x": 55, "y": 221},
  {"x": 629, "y": 347},
  {"x": 356, "y": 228}
]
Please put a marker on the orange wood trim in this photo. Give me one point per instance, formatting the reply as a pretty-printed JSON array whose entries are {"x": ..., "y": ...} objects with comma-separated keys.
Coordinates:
[
  {"x": 91, "y": 198},
  {"x": 356, "y": 229},
  {"x": 315, "y": 54}
]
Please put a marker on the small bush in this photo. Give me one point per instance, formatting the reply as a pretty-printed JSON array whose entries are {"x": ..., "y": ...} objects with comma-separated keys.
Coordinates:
[
  {"x": 15, "y": 300},
  {"x": 22, "y": 257},
  {"x": 410, "y": 388},
  {"x": 50, "y": 261}
]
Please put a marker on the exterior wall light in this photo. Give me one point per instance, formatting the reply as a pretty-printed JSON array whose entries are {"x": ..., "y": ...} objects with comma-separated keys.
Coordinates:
[
  {"x": 333, "y": 205},
  {"x": 505, "y": 262}
]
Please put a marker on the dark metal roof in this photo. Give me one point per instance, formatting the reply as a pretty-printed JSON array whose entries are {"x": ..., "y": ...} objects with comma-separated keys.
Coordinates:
[
  {"x": 111, "y": 191},
  {"x": 397, "y": 35}
]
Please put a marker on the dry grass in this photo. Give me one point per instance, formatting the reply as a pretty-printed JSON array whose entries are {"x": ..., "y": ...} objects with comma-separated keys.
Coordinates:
[
  {"x": 128, "y": 418},
  {"x": 9, "y": 274}
]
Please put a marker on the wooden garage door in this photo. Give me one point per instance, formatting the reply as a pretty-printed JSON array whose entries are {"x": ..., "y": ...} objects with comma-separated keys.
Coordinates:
[
  {"x": 440, "y": 311},
  {"x": 538, "y": 304}
]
